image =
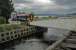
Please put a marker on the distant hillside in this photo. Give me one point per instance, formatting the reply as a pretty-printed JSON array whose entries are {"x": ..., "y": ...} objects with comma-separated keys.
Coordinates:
[
  {"x": 49, "y": 15},
  {"x": 72, "y": 14}
]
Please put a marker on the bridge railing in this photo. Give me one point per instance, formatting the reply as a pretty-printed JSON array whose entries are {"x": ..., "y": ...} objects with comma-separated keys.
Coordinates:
[{"x": 16, "y": 33}]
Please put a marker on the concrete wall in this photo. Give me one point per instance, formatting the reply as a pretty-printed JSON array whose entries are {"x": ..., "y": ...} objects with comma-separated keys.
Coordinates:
[{"x": 11, "y": 35}]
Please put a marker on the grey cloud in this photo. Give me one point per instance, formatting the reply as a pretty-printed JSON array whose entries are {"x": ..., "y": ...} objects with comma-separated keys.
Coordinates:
[
  {"x": 59, "y": 2},
  {"x": 69, "y": 2},
  {"x": 72, "y": 6},
  {"x": 69, "y": 6},
  {"x": 22, "y": 1}
]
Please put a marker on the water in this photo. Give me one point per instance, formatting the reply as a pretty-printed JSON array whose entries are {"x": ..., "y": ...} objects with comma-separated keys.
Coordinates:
[
  {"x": 55, "y": 34},
  {"x": 32, "y": 44},
  {"x": 35, "y": 43},
  {"x": 29, "y": 43}
]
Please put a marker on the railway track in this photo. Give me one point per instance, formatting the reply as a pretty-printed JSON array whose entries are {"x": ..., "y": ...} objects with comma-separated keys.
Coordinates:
[{"x": 67, "y": 43}]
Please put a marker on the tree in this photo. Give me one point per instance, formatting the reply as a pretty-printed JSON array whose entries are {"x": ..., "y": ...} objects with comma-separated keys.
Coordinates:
[{"x": 6, "y": 7}]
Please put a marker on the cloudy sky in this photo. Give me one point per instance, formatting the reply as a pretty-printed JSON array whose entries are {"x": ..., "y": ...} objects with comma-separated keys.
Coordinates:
[{"x": 46, "y": 6}]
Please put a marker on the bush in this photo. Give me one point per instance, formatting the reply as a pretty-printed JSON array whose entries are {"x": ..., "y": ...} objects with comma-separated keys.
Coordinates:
[{"x": 2, "y": 20}]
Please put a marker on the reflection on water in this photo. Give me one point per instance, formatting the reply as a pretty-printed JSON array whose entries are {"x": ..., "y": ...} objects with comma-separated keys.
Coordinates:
[{"x": 31, "y": 44}]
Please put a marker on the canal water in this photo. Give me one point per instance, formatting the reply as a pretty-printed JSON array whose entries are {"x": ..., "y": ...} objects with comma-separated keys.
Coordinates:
[
  {"x": 55, "y": 34},
  {"x": 35, "y": 42}
]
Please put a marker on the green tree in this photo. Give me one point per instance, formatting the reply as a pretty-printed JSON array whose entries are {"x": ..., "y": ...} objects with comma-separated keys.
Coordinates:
[{"x": 6, "y": 7}]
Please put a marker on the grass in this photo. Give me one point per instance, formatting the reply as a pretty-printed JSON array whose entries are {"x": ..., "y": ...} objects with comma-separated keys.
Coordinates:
[{"x": 7, "y": 27}]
